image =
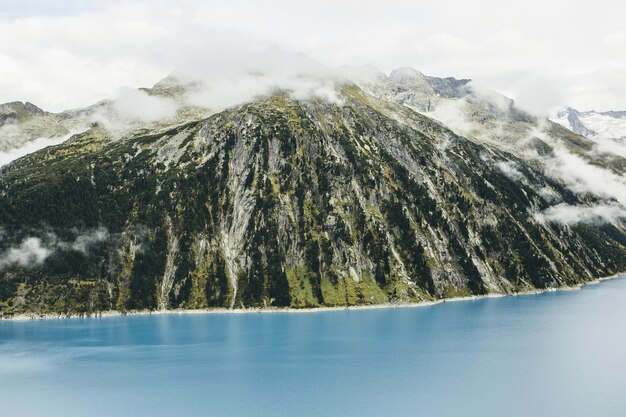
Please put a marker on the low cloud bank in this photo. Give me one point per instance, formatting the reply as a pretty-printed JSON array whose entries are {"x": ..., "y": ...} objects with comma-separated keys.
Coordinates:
[
  {"x": 582, "y": 177},
  {"x": 452, "y": 114},
  {"x": 137, "y": 104},
  {"x": 243, "y": 76},
  {"x": 32, "y": 146},
  {"x": 83, "y": 242},
  {"x": 209, "y": 86},
  {"x": 510, "y": 170},
  {"x": 574, "y": 170},
  {"x": 597, "y": 214},
  {"x": 611, "y": 146},
  {"x": 33, "y": 251}
]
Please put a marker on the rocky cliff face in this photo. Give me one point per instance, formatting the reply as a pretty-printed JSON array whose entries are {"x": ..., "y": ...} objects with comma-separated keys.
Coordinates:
[{"x": 285, "y": 202}]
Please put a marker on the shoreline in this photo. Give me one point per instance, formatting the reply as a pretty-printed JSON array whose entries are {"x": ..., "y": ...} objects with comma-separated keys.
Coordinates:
[{"x": 264, "y": 310}]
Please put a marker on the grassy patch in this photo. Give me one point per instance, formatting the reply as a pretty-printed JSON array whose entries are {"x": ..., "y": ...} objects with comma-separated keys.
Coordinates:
[
  {"x": 449, "y": 291},
  {"x": 300, "y": 288}
]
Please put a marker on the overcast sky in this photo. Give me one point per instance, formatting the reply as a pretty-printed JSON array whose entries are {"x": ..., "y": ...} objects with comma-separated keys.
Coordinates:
[{"x": 63, "y": 54}]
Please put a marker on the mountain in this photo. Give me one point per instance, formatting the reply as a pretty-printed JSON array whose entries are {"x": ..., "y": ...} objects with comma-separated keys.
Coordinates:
[
  {"x": 570, "y": 118},
  {"x": 609, "y": 124},
  {"x": 383, "y": 194},
  {"x": 487, "y": 117},
  {"x": 17, "y": 112},
  {"x": 25, "y": 128},
  {"x": 407, "y": 86}
]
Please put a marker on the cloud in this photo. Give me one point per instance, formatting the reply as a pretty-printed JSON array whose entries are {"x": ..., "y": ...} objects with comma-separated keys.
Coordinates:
[
  {"x": 240, "y": 78},
  {"x": 30, "y": 147},
  {"x": 33, "y": 251},
  {"x": 452, "y": 114},
  {"x": 596, "y": 214},
  {"x": 580, "y": 176},
  {"x": 510, "y": 170},
  {"x": 613, "y": 146},
  {"x": 240, "y": 88},
  {"x": 617, "y": 38},
  {"x": 539, "y": 95},
  {"x": 549, "y": 195},
  {"x": 83, "y": 242},
  {"x": 485, "y": 94},
  {"x": 137, "y": 104},
  {"x": 29, "y": 253},
  {"x": 583, "y": 177},
  {"x": 73, "y": 55}
]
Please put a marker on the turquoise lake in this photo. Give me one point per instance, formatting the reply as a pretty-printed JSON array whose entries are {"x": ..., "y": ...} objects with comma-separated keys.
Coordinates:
[{"x": 554, "y": 354}]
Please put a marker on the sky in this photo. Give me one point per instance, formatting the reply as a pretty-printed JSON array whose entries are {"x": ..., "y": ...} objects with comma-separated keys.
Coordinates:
[{"x": 62, "y": 54}]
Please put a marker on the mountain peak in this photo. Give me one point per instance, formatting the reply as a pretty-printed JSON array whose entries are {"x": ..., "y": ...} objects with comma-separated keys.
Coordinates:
[
  {"x": 16, "y": 106},
  {"x": 17, "y": 111},
  {"x": 402, "y": 74}
]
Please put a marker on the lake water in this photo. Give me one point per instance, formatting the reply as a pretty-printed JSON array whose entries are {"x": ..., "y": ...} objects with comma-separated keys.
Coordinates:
[{"x": 555, "y": 354}]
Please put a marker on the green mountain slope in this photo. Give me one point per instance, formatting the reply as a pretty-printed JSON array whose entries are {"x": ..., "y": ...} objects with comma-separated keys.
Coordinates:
[{"x": 286, "y": 202}]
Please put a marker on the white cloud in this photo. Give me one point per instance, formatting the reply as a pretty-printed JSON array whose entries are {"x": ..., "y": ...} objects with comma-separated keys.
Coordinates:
[
  {"x": 29, "y": 253},
  {"x": 452, "y": 114},
  {"x": 583, "y": 177},
  {"x": 32, "y": 251},
  {"x": 549, "y": 194},
  {"x": 137, "y": 104},
  {"x": 539, "y": 95},
  {"x": 596, "y": 214},
  {"x": 614, "y": 146},
  {"x": 74, "y": 55},
  {"x": 617, "y": 39},
  {"x": 510, "y": 170},
  {"x": 240, "y": 78},
  {"x": 83, "y": 242},
  {"x": 580, "y": 176},
  {"x": 30, "y": 147},
  {"x": 484, "y": 93}
]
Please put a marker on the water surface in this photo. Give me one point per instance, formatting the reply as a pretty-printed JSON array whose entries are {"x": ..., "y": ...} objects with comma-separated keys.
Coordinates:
[{"x": 555, "y": 354}]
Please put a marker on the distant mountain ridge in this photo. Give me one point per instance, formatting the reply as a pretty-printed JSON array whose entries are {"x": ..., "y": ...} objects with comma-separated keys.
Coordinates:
[
  {"x": 24, "y": 124},
  {"x": 17, "y": 111},
  {"x": 608, "y": 124}
]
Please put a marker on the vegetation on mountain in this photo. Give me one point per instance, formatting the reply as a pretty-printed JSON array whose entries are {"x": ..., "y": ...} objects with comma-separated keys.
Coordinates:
[{"x": 291, "y": 203}]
